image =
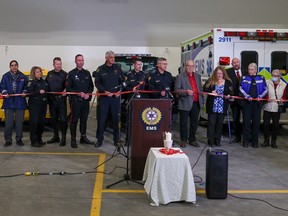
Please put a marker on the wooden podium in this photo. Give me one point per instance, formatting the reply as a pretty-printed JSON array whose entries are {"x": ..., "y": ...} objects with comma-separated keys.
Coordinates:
[{"x": 148, "y": 120}]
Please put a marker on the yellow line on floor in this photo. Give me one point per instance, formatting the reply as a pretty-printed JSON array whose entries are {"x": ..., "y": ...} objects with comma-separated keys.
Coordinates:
[
  {"x": 53, "y": 153},
  {"x": 258, "y": 191},
  {"x": 123, "y": 191},
  {"x": 97, "y": 194},
  {"x": 202, "y": 191}
]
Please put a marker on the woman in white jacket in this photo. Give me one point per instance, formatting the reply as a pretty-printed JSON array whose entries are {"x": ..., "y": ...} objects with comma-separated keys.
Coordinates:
[{"x": 276, "y": 93}]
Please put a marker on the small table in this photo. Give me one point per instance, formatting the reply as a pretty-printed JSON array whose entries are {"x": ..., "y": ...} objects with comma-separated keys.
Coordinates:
[{"x": 168, "y": 178}]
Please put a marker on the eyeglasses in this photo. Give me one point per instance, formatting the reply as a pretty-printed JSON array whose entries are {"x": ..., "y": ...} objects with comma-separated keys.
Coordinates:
[{"x": 14, "y": 65}]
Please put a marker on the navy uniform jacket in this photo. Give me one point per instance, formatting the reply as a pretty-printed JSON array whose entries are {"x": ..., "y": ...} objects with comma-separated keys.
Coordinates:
[
  {"x": 56, "y": 80},
  {"x": 109, "y": 78},
  {"x": 34, "y": 86},
  {"x": 133, "y": 79},
  {"x": 160, "y": 82},
  {"x": 79, "y": 81},
  {"x": 56, "y": 83}
]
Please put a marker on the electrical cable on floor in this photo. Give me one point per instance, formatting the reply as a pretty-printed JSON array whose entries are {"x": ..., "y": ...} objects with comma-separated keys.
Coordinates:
[
  {"x": 9, "y": 176},
  {"x": 260, "y": 200},
  {"x": 199, "y": 157},
  {"x": 62, "y": 173},
  {"x": 195, "y": 176},
  {"x": 10, "y": 155}
]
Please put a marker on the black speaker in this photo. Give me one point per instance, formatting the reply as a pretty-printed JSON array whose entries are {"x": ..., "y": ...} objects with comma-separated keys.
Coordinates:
[{"x": 216, "y": 173}]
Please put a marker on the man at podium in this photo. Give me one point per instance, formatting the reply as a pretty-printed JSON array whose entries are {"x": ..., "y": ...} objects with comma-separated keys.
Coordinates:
[{"x": 161, "y": 81}]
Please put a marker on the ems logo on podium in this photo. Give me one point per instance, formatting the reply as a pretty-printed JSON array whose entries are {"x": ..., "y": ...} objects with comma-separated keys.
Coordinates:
[{"x": 151, "y": 118}]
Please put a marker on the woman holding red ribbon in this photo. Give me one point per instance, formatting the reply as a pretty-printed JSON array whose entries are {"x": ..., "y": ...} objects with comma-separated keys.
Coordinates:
[
  {"x": 37, "y": 104},
  {"x": 276, "y": 95},
  {"x": 220, "y": 85},
  {"x": 253, "y": 88},
  {"x": 14, "y": 83}
]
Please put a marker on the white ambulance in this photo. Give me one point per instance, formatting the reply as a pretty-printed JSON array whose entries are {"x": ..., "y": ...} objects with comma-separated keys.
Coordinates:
[{"x": 266, "y": 47}]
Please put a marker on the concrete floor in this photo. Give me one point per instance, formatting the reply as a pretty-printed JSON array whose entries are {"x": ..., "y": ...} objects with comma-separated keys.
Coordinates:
[{"x": 253, "y": 173}]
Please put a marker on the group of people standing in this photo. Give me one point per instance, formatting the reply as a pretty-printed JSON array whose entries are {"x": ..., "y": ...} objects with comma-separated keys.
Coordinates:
[
  {"x": 247, "y": 93},
  {"x": 15, "y": 86},
  {"x": 78, "y": 86},
  {"x": 110, "y": 81}
]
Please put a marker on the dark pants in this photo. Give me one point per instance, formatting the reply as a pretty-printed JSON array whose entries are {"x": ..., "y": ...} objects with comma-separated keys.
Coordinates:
[
  {"x": 37, "y": 114},
  {"x": 215, "y": 126},
  {"x": 58, "y": 111},
  {"x": 267, "y": 116},
  {"x": 79, "y": 110},
  {"x": 10, "y": 115},
  {"x": 251, "y": 113},
  {"x": 107, "y": 104},
  {"x": 236, "y": 111},
  {"x": 194, "y": 119}
]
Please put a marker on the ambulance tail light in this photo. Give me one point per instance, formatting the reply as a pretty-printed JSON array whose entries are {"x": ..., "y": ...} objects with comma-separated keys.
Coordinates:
[
  {"x": 271, "y": 34},
  {"x": 223, "y": 60},
  {"x": 261, "y": 34},
  {"x": 230, "y": 34},
  {"x": 242, "y": 34}
]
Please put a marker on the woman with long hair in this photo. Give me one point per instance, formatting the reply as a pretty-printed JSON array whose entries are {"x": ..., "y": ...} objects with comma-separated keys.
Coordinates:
[{"x": 220, "y": 85}]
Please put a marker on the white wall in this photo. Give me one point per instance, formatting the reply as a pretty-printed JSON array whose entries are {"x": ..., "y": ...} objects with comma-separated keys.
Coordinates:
[{"x": 28, "y": 56}]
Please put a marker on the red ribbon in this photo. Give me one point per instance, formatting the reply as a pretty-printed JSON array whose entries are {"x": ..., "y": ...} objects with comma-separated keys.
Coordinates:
[
  {"x": 147, "y": 92},
  {"x": 170, "y": 151}
]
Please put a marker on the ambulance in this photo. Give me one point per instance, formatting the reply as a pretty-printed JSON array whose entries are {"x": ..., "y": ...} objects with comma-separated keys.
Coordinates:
[{"x": 266, "y": 47}]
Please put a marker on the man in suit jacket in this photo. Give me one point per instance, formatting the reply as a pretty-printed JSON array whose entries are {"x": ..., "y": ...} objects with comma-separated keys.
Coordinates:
[
  {"x": 235, "y": 75},
  {"x": 188, "y": 85}
]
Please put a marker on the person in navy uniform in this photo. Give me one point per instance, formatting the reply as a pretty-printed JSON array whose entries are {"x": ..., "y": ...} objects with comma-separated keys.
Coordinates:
[
  {"x": 161, "y": 80},
  {"x": 14, "y": 82},
  {"x": 56, "y": 80},
  {"x": 79, "y": 80},
  {"x": 136, "y": 77},
  {"x": 109, "y": 80},
  {"x": 252, "y": 86},
  {"x": 37, "y": 105}
]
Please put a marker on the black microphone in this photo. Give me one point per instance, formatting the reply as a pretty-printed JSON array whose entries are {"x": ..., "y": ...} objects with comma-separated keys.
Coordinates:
[
  {"x": 123, "y": 84},
  {"x": 167, "y": 89}
]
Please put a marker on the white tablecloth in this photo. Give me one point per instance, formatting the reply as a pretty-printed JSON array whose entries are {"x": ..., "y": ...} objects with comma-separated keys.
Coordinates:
[{"x": 168, "y": 178}]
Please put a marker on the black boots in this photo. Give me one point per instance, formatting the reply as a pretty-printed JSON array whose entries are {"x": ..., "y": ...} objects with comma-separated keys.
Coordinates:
[
  {"x": 73, "y": 135},
  {"x": 63, "y": 131},
  {"x": 273, "y": 143},
  {"x": 85, "y": 140},
  {"x": 54, "y": 139},
  {"x": 73, "y": 142},
  {"x": 266, "y": 142}
]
